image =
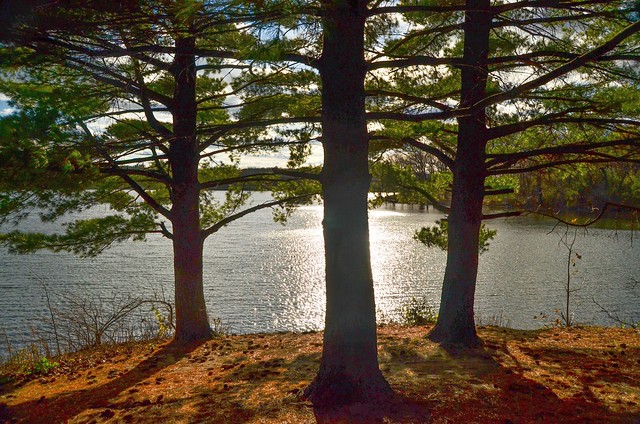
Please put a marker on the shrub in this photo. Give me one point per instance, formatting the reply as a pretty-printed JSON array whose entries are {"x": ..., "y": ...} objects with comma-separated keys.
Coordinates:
[
  {"x": 438, "y": 236},
  {"x": 43, "y": 366},
  {"x": 418, "y": 311},
  {"x": 218, "y": 327}
]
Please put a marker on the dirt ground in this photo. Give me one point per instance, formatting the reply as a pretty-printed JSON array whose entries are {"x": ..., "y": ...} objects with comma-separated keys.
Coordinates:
[{"x": 577, "y": 375}]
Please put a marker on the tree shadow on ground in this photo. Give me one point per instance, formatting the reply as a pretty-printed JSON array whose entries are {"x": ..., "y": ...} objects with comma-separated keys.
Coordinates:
[
  {"x": 256, "y": 385},
  {"x": 68, "y": 405},
  {"x": 593, "y": 375},
  {"x": 397, "y": 410},
  {"x": 271, "y": 388},
  {"x": 258, "y": 378},
  {"x": 265, "y": 385},
  {"x": 491, "y": 384},
  {"x": 432, "y": 383}
]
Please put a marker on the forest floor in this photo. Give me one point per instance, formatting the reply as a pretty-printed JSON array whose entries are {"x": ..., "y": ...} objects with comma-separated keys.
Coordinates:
[{"x": 576, "y": 375}]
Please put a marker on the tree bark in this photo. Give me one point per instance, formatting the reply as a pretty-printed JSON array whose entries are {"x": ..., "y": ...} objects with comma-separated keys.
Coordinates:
[
  {"x": 191, "y": 315},
  {"x": 349, "y": 370},
  {"x": 456, "y": 323}
]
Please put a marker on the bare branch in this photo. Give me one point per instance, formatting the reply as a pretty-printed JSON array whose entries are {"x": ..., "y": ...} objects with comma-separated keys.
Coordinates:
[
  {"x": 614, "y": 317},
  {"x": 590, "y": 221},
  {"x": 502, "y": 215}
]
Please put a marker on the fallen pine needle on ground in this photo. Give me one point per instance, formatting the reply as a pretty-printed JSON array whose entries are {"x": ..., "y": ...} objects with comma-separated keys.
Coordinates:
[{"x": 564, "y": 375}]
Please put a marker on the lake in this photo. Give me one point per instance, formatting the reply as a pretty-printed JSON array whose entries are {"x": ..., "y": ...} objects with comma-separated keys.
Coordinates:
[{"x": 261, "y": 276}]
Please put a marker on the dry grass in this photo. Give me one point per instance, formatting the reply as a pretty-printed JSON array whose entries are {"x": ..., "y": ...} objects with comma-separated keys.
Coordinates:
[{"x": 573, "y": 375}]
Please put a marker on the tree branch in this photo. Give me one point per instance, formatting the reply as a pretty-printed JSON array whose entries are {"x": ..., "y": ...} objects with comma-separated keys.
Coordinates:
[
  {"x": 570, "y": 66},
  {"x": 431, "y": 198},
  {"x": 591, "y": 221},
  {"x": 501, "y": 215},
  {"x": 418, "y": 117},
  {"x": 556, "y": 118},
  {"x": 207, "y": 232},
  {"x": 510, "y": 171},
  {"x": 512, "y": 158},
  {"x": 449, "y": 162},
  {"x": 127, "y": 178},
  {"x": 429, "y": 102},
  {"x": 415, "y": 61}
]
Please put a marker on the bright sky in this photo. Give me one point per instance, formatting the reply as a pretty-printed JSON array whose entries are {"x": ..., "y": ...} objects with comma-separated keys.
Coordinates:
[
  {"x": 280, "y": 159},
  {"x": 4, "y": 105}
]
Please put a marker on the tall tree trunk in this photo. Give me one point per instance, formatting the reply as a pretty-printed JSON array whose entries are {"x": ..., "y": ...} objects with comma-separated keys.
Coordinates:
[
  {"x": 191, "y": 315},
  {"x": 456, "y": 319},
  {"x": 349, "y": 370}
]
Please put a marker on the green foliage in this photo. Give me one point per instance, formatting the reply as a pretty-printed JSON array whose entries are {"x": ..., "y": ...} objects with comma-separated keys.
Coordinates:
[
  {"x": 212, "y": 208},
  {"x": 42, "y": 367},
  {"x": 55, "y": 160},
  {"x": 417, "y": 311},
  {"x": 86, "y": 238},
  {"x": 438, "y": 236},
  {"x": 407, "y": 185},
  {"x": 186, "y": 10},
  {"x": 434, "y": 236},
  {"x": 5, "y": 379},
  {"x": 164, "y": 326},
  {"x": 502, "y": 182},
  {"x": 301, "y": 191},
  {"x": 27, "y": 159},
  {"x": 19, "y": 361},
  {"x": 281, "y": 94},
  {"x": 583, "y": 187}
]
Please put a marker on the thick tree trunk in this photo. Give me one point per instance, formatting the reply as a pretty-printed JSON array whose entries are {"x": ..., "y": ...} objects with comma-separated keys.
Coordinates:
[
  {"x": 349, "y": 370},
  {"x": 192, "y": 322},
  {"x": 456, "y": 319},
  {"x": 456, "y": 323},
  {"x": 191, "y": 315}
]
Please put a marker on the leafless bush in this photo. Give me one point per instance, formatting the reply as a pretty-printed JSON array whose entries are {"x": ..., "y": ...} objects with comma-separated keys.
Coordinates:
[
  {"x": 76, "y": 321},
  {"x": 91, "y": 321},
  {"x": 219, "y": 327},
  {"x": 495, "y": 320}
]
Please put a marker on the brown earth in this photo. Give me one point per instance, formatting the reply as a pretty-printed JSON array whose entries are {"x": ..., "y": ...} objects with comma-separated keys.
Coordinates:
[{"x": 577, "y": 375}]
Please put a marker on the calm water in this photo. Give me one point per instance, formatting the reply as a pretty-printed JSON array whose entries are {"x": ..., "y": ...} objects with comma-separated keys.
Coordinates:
[{"x": 262, "y": 276}]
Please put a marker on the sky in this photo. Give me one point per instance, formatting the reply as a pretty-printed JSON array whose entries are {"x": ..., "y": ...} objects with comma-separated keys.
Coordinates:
[
  {"x": 280, "y": 159},
  {"x": 4, "y": 105}
]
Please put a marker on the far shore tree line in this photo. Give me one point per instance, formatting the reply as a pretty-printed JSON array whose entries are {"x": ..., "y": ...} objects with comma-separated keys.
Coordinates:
[
  {"x": 579, "y": 190},
  {"x": 152, "y": 103}
]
